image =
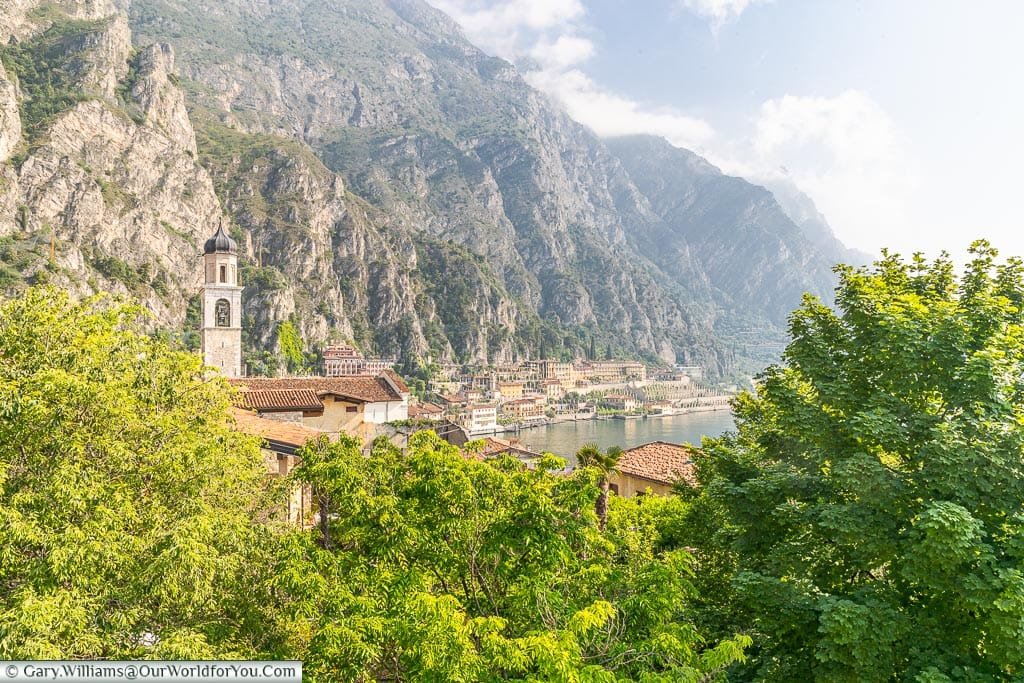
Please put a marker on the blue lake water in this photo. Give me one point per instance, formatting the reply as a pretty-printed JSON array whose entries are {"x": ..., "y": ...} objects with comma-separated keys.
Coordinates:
[{"x": 565, "y": 438}]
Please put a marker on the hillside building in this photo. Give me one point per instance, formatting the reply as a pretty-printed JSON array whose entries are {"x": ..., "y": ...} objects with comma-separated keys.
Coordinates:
[{"x": 342, "y": 360}]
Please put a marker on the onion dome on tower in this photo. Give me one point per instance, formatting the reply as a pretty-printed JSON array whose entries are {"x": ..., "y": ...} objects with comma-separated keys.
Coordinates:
[{"x": 220, "y": 243}]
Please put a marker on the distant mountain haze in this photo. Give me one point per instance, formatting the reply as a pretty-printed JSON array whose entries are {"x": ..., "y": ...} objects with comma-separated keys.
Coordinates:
[{"x": 388, "y": 183}]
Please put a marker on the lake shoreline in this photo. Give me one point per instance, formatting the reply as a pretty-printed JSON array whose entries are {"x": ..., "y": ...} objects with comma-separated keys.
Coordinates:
[
  {"x": 591, "y": 417},
  {"x": 565, "y": 437}
]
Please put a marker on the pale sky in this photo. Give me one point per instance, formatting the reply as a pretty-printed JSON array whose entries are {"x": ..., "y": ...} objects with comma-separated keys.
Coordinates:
[{"x": 902, "y": 119}]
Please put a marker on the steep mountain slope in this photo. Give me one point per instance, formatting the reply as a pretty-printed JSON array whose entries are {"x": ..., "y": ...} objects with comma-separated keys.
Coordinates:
[
  {"x": 452, "y": 145},
  {"x": 388, "y": 183},
  {"x": 100, "y": 187},
  {"x": 802, "y": 210},
  {"x": 746, "y": 244}
]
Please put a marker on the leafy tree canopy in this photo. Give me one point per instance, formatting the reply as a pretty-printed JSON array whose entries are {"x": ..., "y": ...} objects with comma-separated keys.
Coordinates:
[
  {"x": 134, "y": 523},
  {"x": 129, "y": 510},
  {"x": 868, "y": 516},
  {"x": 437, "y": 567}
]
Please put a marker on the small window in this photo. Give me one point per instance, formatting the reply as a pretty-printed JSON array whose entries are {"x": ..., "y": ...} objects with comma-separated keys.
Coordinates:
[
  {"x": 222, "y": 313},
  {"x": 223, "y": 273},
  {"x": 351, "y": 409},
  {"x": 614, "y": 488}
]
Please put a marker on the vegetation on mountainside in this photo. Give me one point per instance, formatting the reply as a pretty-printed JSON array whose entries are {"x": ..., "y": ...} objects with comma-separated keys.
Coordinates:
[
  {"x": 867, "y": 519},
  {"x": 46, "y": 68}
]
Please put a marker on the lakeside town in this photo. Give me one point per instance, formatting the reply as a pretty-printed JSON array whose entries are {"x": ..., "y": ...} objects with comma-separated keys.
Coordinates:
[{"x": 513, "y": 397}]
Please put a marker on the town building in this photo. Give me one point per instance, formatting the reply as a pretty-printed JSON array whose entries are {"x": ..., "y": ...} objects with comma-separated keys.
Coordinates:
[
  {"x": 601, "y": 372},
  {"x": 524, "y": 409},
  {"x": 564, "y": 373},
  {"x": 479, "y": 418},
  {"x": 220, "y": 328},
  {"x": 342, "y": 360},
  {"x": 552, "y": 389},
  {"x": 619, "y": 402},
  {"x": 357, "y": 405},
  {"x": 510, "y": 390},
  {"x": 495, "y": 447},
  {"x": 426, "y": 411},
  {"x": 279, "y": 442},
  {"x": 654, "y": 467}
]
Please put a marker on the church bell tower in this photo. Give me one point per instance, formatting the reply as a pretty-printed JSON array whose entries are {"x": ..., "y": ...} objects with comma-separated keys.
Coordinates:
[{"x": 221, "y": 326}]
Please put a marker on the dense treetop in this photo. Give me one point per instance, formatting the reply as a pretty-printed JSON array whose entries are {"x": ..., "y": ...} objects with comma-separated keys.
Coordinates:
[{"x": 866, "y": 519}]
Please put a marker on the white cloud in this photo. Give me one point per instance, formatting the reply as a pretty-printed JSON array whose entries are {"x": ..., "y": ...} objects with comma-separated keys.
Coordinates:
[
  {"x": 844, "y": 151},
  {"x": 548, "y": 38},
  {"x": 563, "y": 52},
  {"x": 508, "y": 28},
  {"x": 609, "y": 114},
  {"x": 719, "y": 12}
]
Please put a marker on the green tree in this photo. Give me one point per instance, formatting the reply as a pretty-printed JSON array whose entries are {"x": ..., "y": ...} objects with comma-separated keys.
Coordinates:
[
  {"x": 605, "y": 463},
  {"x": 127, "y": 501},
  {"x": 868, "y": 514},
  {"x": 292, "y": 347},
  {"x": 427, "y": 565}
]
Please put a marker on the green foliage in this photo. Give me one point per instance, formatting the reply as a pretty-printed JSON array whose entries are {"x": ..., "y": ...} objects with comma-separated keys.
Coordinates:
[
  {"x": 261, "y": 363},
  {"x": 430, "y": 566},
  {"x": 20, "y": 256},
  {"x": 136, "y": 522},
  {"x": 604, "y": 463},
  {"x": 291, "y": 345},
  {"x": 127, "y": 502},
  {"x": 135, "y": 278},
  {"x": 867, "y": 516},
  {"x": 115, "y": 196},
  {"x": 45, "y": 67}
]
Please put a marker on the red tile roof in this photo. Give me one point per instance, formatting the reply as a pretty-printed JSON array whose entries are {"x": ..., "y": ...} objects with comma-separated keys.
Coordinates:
[
  {"x": 660, "y": 462},
  {"x": 398, "y": 381},
  {"x": 280, "y": 399},
  {"x": 425, "y": 409},
  {"x": 363, "y": 389},
  {"x": 494, "y": 446},
  {"x": 288, "y": 433}
]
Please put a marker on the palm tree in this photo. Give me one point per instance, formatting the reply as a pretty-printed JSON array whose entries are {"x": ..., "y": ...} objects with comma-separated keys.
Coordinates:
[{"x": 589, "y": 455}]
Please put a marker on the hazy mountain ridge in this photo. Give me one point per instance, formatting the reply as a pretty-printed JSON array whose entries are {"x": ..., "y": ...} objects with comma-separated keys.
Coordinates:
[{"x": 392, "y": 184}]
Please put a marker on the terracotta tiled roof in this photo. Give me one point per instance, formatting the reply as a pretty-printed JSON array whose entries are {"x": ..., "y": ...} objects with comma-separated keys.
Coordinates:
[
  {"x": 363, "y": 389},
  {"x": 659, "y": 461},
  {"x": 397, "y": 379},
  {"x": 287, "y": 433},
  {"x": 424, "y": 409},
  {"x": 281, "y": 399},
  {"x": 494, "y": 446}
]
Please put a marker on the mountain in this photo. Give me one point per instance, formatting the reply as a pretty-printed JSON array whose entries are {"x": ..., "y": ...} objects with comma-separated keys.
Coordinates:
[
  {"x": 388, "y": 183},
  {"x": 802, "y": 210},
  {"x": 751, "y": 251}
]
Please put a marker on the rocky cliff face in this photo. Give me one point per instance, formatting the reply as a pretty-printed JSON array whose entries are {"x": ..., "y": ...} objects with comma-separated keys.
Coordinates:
[
  {"x": 103, "y": 189},
  {"x": 388, "y": 183},
  {"x": 751, "y": 251}
]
